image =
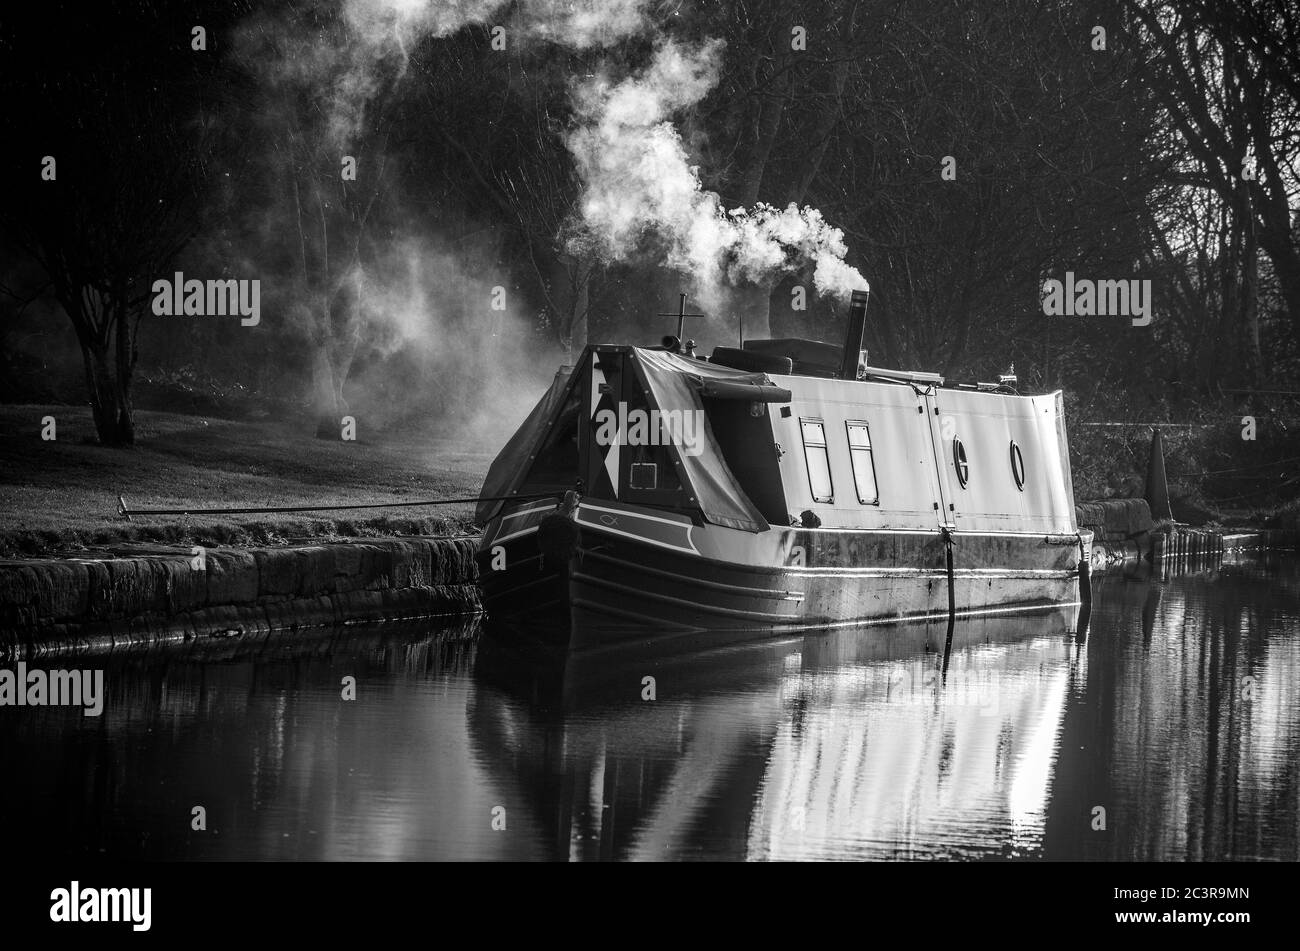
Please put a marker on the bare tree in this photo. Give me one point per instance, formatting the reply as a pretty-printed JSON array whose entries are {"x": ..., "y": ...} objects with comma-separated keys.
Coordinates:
[
  {"x": 981, "y": 149},
  {"x": 520, "y": 168},
  {"x": 324, "y": 104},
  {"x": 104, "y": 201},
  {"x": 1228, "y": 77},
  {"x": 775, "y": 113}
]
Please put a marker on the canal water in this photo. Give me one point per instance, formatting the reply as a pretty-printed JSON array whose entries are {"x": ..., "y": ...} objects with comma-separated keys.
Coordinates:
[{"x": 1171, "y": 730}]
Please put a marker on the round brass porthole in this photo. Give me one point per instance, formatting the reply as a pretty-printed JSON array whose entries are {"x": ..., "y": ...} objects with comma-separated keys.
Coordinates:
[
  {"x": 1017, "y": 466},
  {"x": 959, "y": 461}
]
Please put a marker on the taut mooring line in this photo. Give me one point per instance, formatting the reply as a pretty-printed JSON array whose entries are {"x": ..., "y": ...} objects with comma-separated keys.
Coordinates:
[
  {"x": 262, "y": 510},
  {"x": 946, "y": 534}
]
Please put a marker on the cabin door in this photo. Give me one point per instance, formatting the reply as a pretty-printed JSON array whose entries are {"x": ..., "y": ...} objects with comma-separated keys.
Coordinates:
[
  {"x": 941, "y": 445},
  {"x": 626, "y": 452},
  {"x": 600, "y": 455}
]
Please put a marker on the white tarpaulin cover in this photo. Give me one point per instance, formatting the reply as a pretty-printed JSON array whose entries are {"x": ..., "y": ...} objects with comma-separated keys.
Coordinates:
[{"x": 673, "y": 382}]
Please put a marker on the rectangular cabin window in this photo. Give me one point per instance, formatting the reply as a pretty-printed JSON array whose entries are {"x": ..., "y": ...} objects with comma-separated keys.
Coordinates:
[
  {"x": 644, "y": 475},
  {"x": 864, "y": 465},
  {"x": 819, "y": 462}
]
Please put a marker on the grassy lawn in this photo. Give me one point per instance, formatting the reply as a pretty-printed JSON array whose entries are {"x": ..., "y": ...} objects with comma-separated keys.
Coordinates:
[{"x": 61, "y": 495}]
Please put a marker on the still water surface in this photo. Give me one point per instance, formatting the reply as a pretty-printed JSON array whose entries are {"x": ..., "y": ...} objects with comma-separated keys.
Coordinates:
[{"x": 1178, "y": 715}]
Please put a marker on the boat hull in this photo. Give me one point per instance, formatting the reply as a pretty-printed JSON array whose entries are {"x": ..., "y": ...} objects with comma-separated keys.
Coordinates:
[{"x": 633, "y": 574}]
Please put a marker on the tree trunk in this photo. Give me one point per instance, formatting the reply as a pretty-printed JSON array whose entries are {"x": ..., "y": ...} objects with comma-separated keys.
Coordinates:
[
  {"x": 124, "y": 367},
  {"x": 110, "y": 401},
  {"x": 327, "y": 394},
  {"x": 1250, "y": 297},
  {"x": 749, "y": 306},
  {"x": 767, "y": 123},
  {"x": 570, "y": 298},
  {"x": 1286, "y": 267},
  {"x": 578, "y": 316},
  {"x": 962, "y": 317}
]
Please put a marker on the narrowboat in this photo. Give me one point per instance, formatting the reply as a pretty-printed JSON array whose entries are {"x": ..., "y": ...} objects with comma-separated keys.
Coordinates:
[{"x": 780, "y": 486}]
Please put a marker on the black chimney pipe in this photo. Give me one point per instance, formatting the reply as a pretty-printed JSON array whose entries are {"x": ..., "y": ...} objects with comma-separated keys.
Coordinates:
[{"x": 853, "y": 339}]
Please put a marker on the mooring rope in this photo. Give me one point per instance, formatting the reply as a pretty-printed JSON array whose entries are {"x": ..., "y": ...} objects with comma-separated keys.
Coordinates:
[{"x": 262, "y": 510}]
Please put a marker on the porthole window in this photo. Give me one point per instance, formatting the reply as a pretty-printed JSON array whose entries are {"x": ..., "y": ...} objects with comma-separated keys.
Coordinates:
[
  {"x": 959, "y": 461},
  {"x": 1017, "y": 466}
]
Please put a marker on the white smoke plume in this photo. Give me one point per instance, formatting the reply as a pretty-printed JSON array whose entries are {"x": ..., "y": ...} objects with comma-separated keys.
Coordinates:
[
  {"x": 383, "y": 32},
  {"x": 372, "y": 42},
  {"x": 581, "y": 24},
  {"x": 578, "y": 24},
  {"x": 637, "y": 177},
  {"x": 638, "y": 183}
]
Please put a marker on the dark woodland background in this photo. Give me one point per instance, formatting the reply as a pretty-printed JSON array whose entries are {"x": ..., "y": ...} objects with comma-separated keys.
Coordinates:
[{"x": 1169, "y": 155}]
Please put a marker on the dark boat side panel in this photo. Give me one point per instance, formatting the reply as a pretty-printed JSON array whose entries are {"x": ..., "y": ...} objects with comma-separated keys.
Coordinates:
[{"x": 622, "y": 588}]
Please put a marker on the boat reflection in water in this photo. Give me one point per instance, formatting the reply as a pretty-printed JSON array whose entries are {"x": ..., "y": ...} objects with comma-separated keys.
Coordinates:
[
  {"x": 1179, "y": 715},
  {"x": 848, "y": 744}
]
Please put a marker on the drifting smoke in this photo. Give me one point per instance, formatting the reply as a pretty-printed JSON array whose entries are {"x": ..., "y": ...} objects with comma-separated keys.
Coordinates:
[
  {"x": 578, "y": 24},
  {"x": 639, "y": 183},
  {"x": 637, "y": 177},
  {"x": 350, "y": 65},
  {"x": 330, "y": 65},
  {"x": 581, "y": 24}
]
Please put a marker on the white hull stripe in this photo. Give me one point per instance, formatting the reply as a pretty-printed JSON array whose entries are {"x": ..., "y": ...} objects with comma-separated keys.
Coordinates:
[
  {"x": 525, "y": 512},
  {"x": 647, "y": 529},
  {"x": 868, "y": 572},
  {"x": 956, "y": 533},
  {"x": 513, "y": 535},
  {"x": 682, "y": 522}
]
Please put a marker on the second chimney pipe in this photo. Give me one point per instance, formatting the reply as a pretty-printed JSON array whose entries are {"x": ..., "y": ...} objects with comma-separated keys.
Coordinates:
[{"x": 853, "y": 339}]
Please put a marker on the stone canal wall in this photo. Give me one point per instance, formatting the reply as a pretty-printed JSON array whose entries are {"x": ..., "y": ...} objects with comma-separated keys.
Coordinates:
[
  {"x": 132, "y": 594},
  {"x": 1115, "y": 519},
  {"x": 1121, "y": 530}
]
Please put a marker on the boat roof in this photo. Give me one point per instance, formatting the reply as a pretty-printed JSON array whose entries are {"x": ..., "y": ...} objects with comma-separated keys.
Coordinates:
[
  {"x": 675, "y": 383},
  {"x": 672, "y": 360}
]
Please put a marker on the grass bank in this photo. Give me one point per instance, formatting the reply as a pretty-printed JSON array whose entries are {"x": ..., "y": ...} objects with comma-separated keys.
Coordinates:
[{"x": 60, "y": 495}]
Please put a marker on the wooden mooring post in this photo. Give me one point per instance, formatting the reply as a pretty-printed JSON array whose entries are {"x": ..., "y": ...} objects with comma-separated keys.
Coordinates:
[{"x": 1184, "y": 549}]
